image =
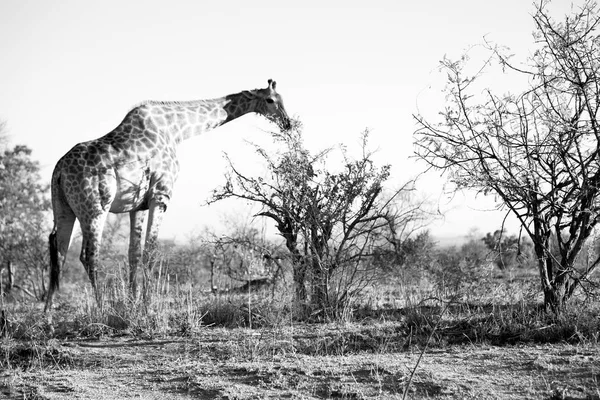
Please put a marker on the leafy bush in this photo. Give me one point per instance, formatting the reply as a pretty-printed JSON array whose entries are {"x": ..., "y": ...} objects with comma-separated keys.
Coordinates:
[{"x": 23, "y": 204}]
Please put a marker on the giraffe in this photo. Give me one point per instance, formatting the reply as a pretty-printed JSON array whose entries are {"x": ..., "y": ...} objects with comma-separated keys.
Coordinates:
[{"x": 132, "y": 169}]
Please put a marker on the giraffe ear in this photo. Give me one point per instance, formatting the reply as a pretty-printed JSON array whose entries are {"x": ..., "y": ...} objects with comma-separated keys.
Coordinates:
[{"x": 272, "y": 84}]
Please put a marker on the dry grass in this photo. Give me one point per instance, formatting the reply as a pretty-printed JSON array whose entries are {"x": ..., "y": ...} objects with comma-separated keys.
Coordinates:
[
  {"x": 302, "y": 361},
  {"x": 249, "y": 345}
]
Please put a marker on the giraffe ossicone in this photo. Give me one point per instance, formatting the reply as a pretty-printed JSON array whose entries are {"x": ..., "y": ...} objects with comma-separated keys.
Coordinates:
[{"x": 132, "y": 169}]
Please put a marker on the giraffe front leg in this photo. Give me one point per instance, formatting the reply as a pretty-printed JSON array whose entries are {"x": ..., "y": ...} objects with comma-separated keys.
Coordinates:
[
  {"x": 156, "y": 211},
  {"x": 90, "y": 248},
  {"x": 136, "y": 219}
]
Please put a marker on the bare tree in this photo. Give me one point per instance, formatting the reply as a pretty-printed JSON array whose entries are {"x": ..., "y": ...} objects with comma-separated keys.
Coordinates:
[
  {"x": 331, "y": 222},
  {"x": 538, "y": 151}
]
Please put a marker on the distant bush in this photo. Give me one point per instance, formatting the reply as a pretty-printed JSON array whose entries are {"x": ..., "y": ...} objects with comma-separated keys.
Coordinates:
[
  {"x": 509, "y": 251},
  {"x": 460, "y": 271}
]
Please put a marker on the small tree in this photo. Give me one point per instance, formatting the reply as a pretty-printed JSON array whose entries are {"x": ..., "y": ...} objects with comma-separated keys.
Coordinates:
[
  {"x": 331, "y": 222},
  {"x": 538, "y": 151},
  {"x": 23, "y": 222}
]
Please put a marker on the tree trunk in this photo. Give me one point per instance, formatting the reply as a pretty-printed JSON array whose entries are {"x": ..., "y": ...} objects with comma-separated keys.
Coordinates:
[
  {"x": 320, "y": 290},
  {"x": 213, "y": 285},
  {"x": 557, "y": 288},
  {"x": 298, "y": 263},
  {"x": 556, "y": 295},
  {"x": 300, "y": 280},
  {"x": 552, "y": 299},
  {"x": 10, "y": 276}
]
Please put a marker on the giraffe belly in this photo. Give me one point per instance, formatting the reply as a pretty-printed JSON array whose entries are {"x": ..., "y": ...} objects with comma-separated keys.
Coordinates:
[{"x": 133, "y": 182}]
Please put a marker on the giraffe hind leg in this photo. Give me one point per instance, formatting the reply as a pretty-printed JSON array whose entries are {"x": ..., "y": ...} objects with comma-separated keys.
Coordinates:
[{"x": 137, "y": 219}]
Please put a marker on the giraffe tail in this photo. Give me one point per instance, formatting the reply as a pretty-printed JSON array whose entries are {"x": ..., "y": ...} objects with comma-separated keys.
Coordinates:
[{"x": 54, "y": 264}]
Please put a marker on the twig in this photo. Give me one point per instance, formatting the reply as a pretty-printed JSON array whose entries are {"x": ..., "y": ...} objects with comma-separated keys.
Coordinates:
[{"x": 425, "y": 347}]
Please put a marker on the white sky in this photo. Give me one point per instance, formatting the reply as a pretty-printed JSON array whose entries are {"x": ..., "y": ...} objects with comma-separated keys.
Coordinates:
[{"x": 71, "y": 69}]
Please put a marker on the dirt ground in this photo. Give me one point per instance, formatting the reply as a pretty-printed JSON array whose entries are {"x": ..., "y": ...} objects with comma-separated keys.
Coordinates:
[{"x": 294, "y": 363}]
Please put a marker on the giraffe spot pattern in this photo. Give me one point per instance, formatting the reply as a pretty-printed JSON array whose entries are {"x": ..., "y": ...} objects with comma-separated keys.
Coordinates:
[{"x": 134, "y": 165}]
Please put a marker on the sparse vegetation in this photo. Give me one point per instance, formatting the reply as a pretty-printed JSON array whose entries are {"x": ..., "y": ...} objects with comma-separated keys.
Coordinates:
[
  {"x": 385, "y": 312},
  {"x": 255, "y": 335}
]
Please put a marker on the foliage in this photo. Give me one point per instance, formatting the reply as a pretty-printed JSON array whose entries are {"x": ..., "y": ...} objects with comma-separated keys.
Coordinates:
[
  {"x": 509, "y": 251},
  {"x": 23, "y": 222},
  {"x": 413, "y": 252},
  {"x": 461, "y": 271},
  {"x": 246, "y": 255},
  {"x": 332, "y": 222},
  {"x": 539, "y": 150},
  {"x": 187, "y": 263}
]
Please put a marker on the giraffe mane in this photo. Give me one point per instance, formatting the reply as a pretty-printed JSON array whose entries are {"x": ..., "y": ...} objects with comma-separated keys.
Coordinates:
[
  {"x": 247, "y": 93},
  {"x": 169, "y": 103}
]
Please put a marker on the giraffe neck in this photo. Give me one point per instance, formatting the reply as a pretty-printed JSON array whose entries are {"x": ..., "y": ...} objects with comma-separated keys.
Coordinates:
[{"x": 183, "y": 120}]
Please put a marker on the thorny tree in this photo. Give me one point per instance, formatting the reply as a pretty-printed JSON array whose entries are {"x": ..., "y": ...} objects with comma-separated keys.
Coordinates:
[
  {"x": 332, "y": 222},
  {"x": 538, "y": 151}
]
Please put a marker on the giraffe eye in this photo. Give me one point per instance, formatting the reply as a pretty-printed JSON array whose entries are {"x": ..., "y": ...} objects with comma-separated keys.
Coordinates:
[{"x": 270, "y": 100}]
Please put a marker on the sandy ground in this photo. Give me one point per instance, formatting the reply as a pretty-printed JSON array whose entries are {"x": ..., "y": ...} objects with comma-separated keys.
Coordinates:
[{"x": 293, "y": 364}]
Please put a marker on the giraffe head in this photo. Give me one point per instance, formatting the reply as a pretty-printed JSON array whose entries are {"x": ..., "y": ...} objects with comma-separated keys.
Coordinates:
[{"x": 270, "y": 104}]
